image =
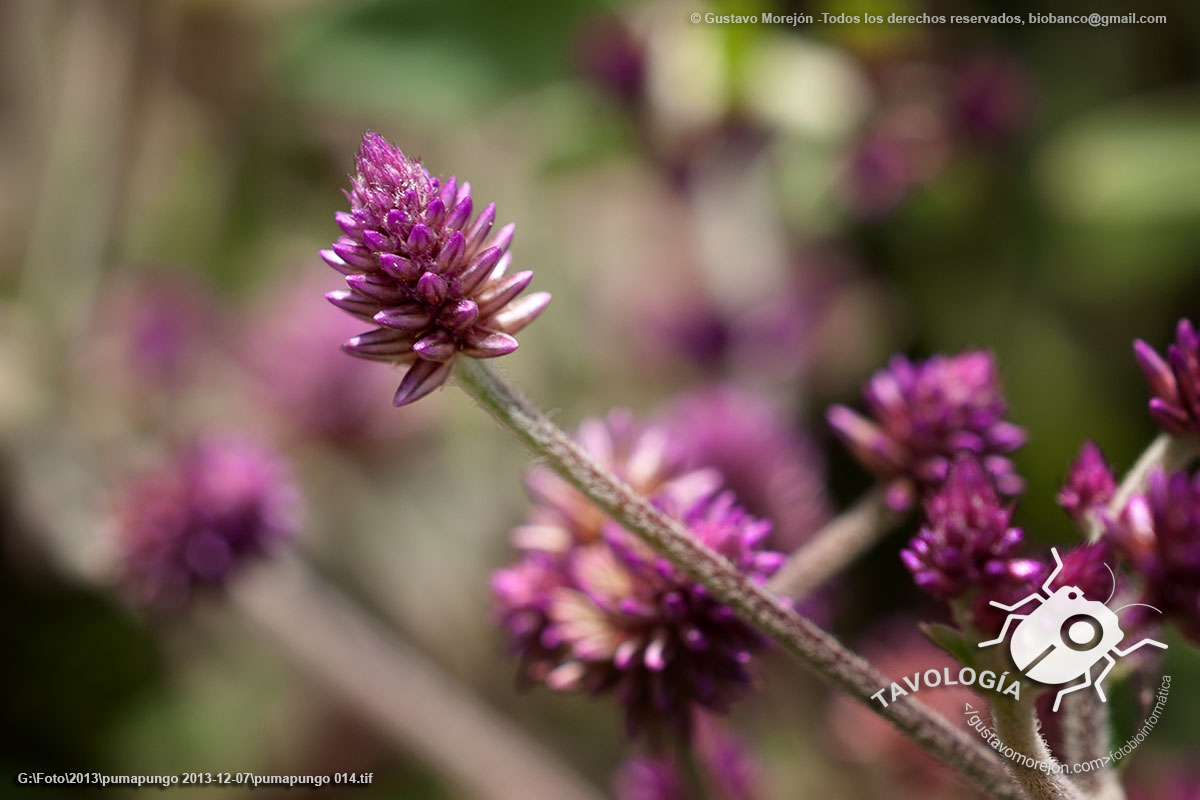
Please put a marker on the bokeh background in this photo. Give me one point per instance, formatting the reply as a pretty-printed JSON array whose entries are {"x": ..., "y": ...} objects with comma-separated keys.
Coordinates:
[{"x": 777, "y": 207}]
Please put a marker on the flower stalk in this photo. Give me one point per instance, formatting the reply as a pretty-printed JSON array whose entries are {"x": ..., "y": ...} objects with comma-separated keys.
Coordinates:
[
  {"x": 755, "y": 603},
  {"x": 1016, "y": 724},
  {"x": 836, "y": 545},
  {"x": 1167, "y": 451},
  {"x": 393, "y": 686}
]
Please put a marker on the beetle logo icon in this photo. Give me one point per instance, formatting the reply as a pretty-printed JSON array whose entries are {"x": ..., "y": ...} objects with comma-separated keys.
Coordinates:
[{"x": 1065, "y": 637}]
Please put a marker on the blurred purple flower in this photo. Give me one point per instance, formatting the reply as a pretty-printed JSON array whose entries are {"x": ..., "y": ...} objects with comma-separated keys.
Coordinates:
[
  {"x": 721, "y": 761},
  {"x": 770, "y": 466},
  {"x": 877, "y": 175},
  {"x": 314, "y": 388},
  {"x": 222, "y": 501},
  {"x": 967, "y": 540},
  {"x": 1090, "y": 483},
  {"x": 1175, "y": 382},
  {"x": 1159, "y": 533},
  {"x": 423, "y": 271},
  {"x": 153, "y": 331},
  {"x": 991, "y": 99},
  {"x": 924, "y": 412},
  {"x": 589, "y": 607},
  {"x": 610, "y": 55}
]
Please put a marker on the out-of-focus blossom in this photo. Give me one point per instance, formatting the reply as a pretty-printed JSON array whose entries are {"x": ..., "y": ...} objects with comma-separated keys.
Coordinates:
[
  {"x": 221, "y": 502},
  {"x": 967, "y": 540},
  {"x": 422, "y": 270},
  {"x": 588, "y": 607},
  {"x": 991, "y": 99},
  {"x": 866, "y": 739},
  {"x": 1165, "y": 782},
  {"x": 1159, "y": 533},
  {"x": 727, "y": 771},
  {"x": 770, "y": 466},
  {"x": 1090, "y": 483},
  {"x": 1175, "y": 381},
  {"x": 311, "y": 386},
  {"x": 922, "y": 413},
  {"x": 610, "y": 55},
  {"x": 153, "y": 331},
  {"x": 877, "y": 175}
]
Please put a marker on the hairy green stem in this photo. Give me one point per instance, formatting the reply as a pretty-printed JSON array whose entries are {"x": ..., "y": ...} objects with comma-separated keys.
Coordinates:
[
  {"x": 839, "y": 543},
  {"x": 1016, "y": 725},
  {"x": 756, "y": 604}
]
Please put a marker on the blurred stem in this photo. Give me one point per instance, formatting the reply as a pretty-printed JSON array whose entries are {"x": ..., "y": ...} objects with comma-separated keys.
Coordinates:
[
  {"x": 1086, "y": 736},
  {"x": 839, "y": 543},
  {"x": 415, "y": 703},
  {"x": 1016, "y": 724},
  {"x": 1086, "y": 722},
  {"x": 1166, "y": 451},
  {"x": 757, "y": 605}
]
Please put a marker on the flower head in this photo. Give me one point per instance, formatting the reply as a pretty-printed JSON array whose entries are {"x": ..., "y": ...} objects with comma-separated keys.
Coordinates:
[
  {"x": 769, "y": 464},
  {"x": 967, "y": 540},
  {"x": 1159, "y": 533},
  {"x": 422, "y": 270},
  {"x": 727, "y": 770},
  {"x": 1174, "y": 381},
  {"x": 1085, "y": 567},
  {"x": 1090, "y": 483},
  {"x": 991, "y": 99},
  {"x": 221, "y": 502},
  {"x": 922, "y": 414},
  {"x": 589, "y": 607}
]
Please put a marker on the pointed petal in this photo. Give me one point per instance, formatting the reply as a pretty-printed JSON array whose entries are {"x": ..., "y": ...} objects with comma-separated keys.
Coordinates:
[
  {"x": 437, "y": 346},
  {"x": 352, "y": 303},
  {"x": 499, "y": 293},
  {"x": 519, "y": 313},
  {"x": 491, "y": 346},
  {"x": 407, "y": 317},
  {"x": 421, "y": 379}
]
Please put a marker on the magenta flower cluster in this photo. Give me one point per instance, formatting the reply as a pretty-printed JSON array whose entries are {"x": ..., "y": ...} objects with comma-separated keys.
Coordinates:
[
  {"x": 221, "y": 502},
  {"x": 921, "y": 414},
  {"x": 431, "y": 276},
  {"x": 590, "y": 608},
  {"x": 1175, "y": 380}
]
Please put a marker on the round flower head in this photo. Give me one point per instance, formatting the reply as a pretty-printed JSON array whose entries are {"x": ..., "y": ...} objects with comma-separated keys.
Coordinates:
[
  {"x": 588, "y": 607},
  {"x": 1090, "y": 483},
  {"x": 221, "y": 502},
  {"x": 967, "y": 540},
  {"x": 422, "y": 270},
  {"x": 769, "y": 464},
  {"x": 1174, "y": 381},
  {"x": 1159, "y": 532},
  {"x": 922, "y": 414}
]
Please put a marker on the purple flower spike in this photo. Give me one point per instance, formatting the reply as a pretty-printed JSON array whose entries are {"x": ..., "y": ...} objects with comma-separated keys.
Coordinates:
[
  {"x": 1159, "y": 532},
  {"x": 422, "y": 268},
  {"x": 922, "y": 414},
  {"x": 1090, "y": 483},
  {"x": 223, "y": 501},
  {"x": 590, "y": 608},
  {"x": 967, "y": 539},
  {"x": 1175, "y": 381}
]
